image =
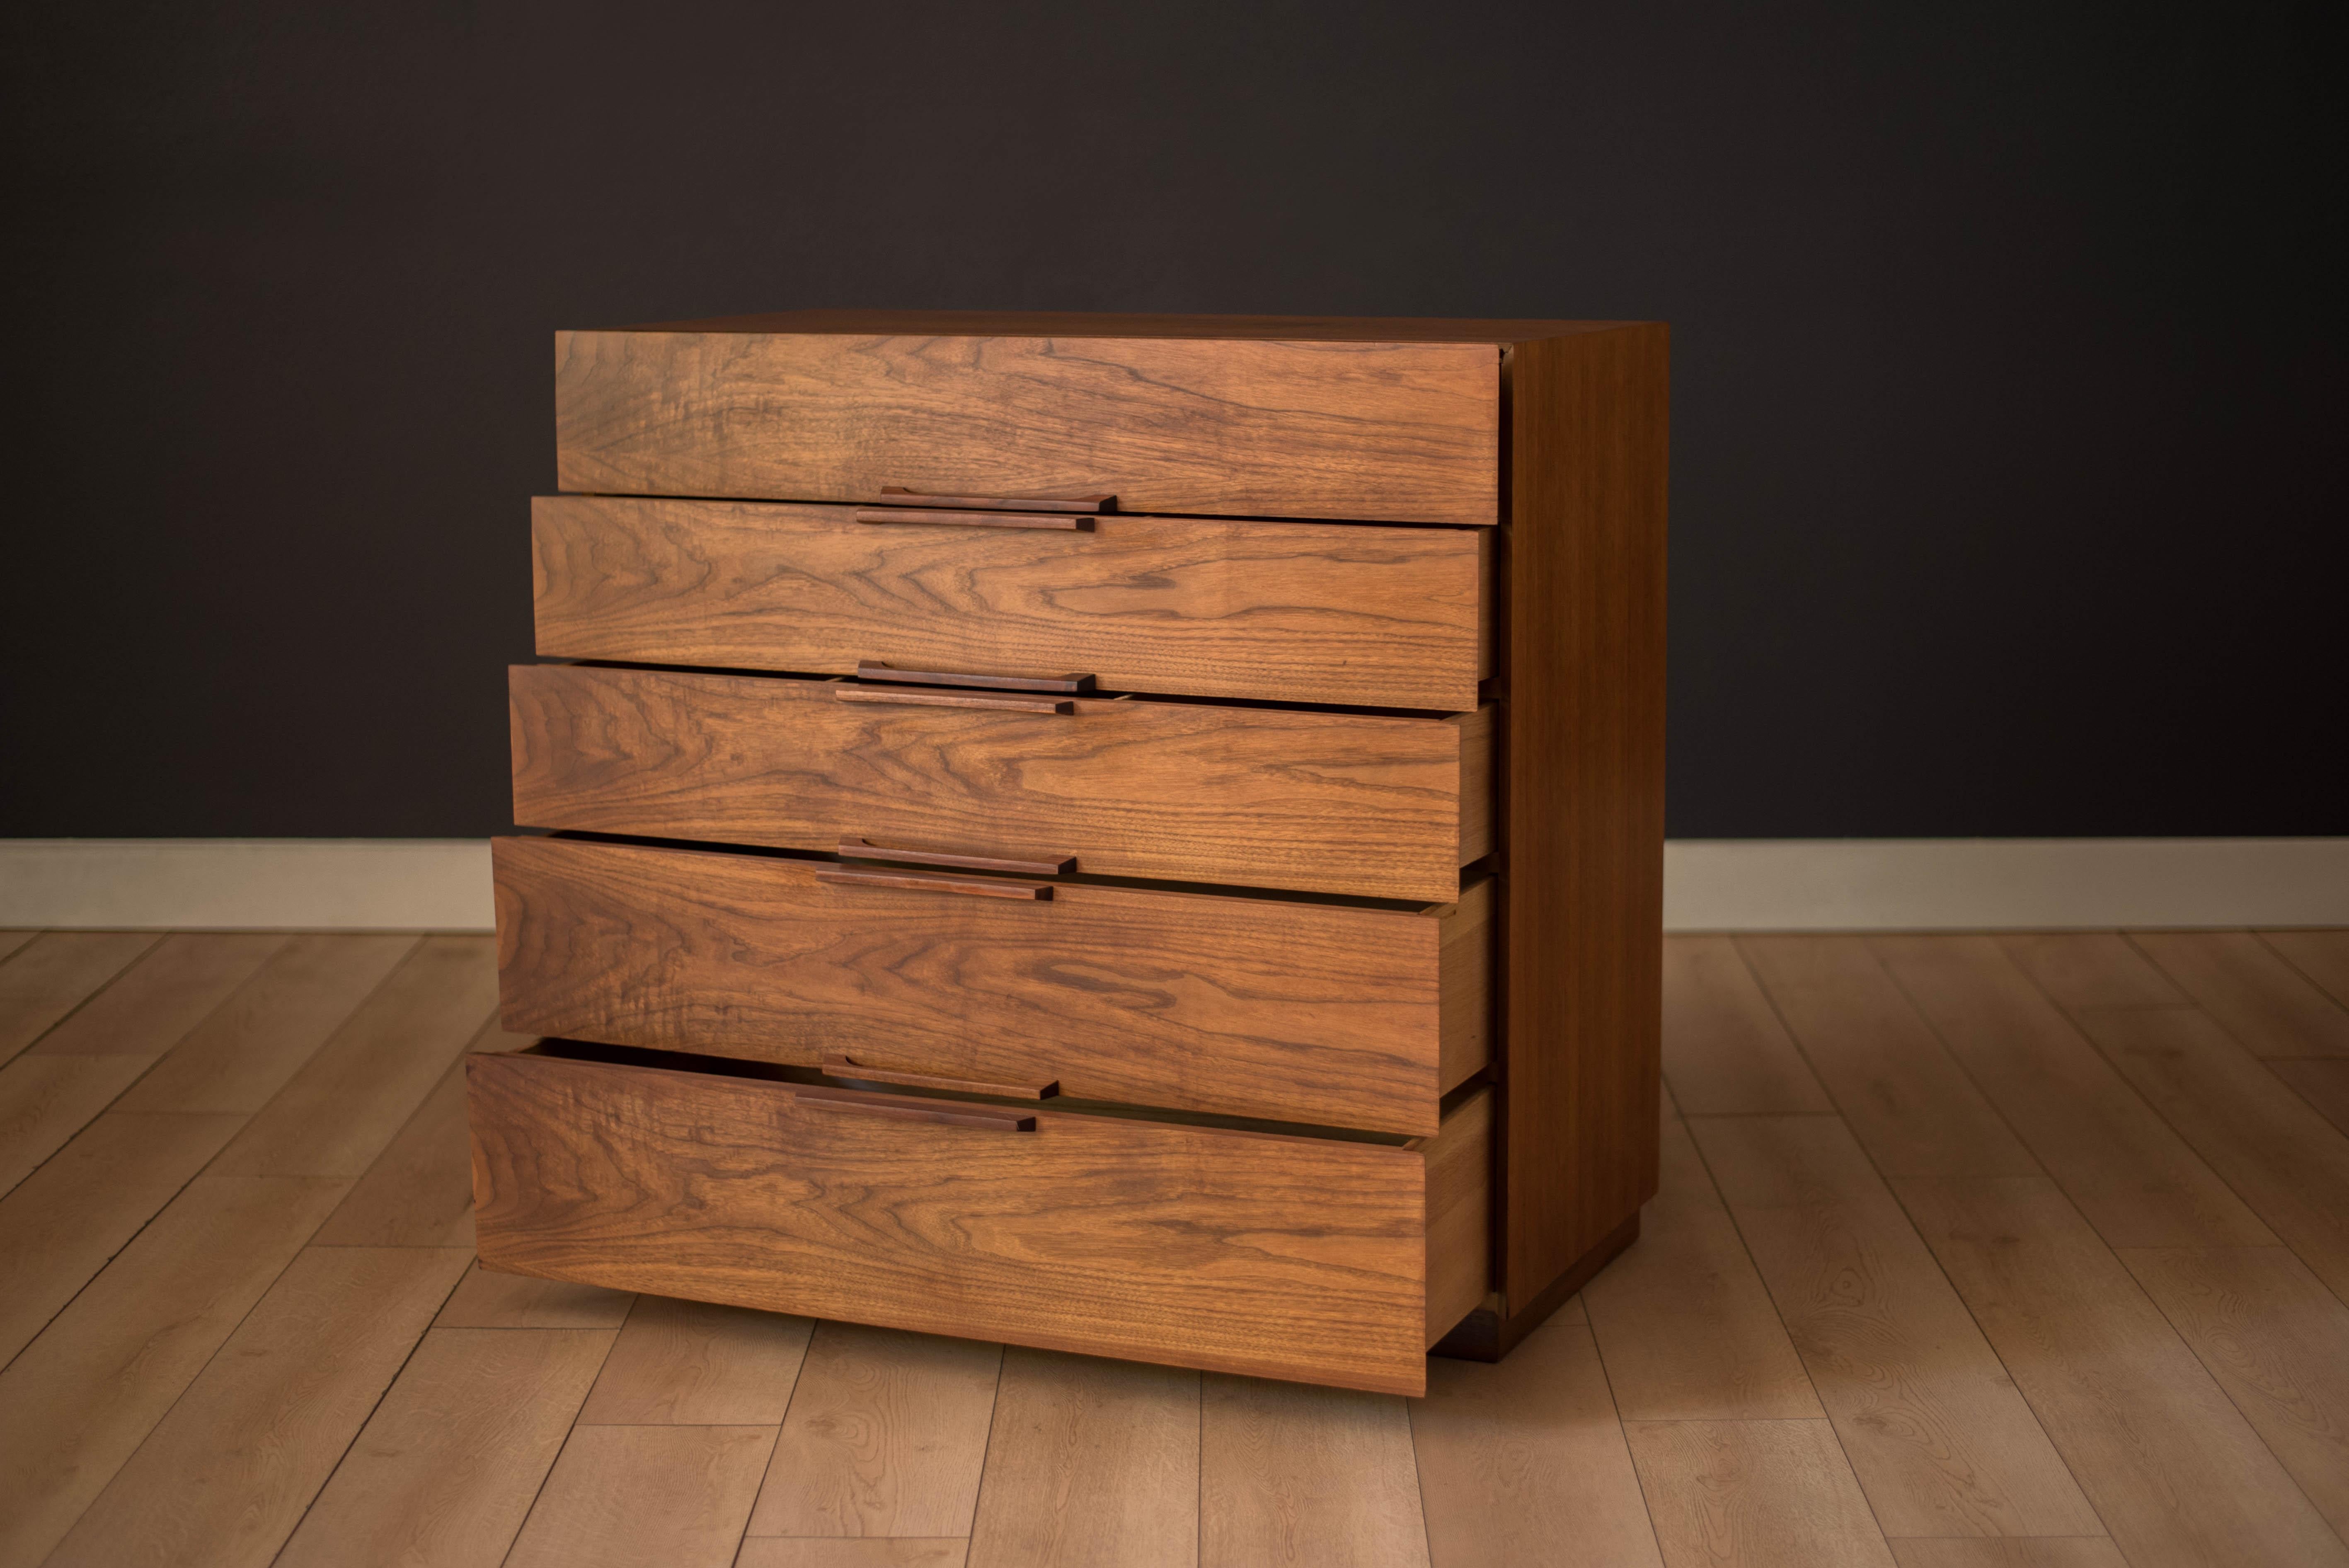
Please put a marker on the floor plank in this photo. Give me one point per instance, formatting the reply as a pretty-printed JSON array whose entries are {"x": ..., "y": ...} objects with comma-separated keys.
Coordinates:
[
  {"x": 155, "y": 1003},
  {"x": 447, "y": 1467},
  {"x": 2047, "y": 1551},
  {"x": 2120, "y": 1164},
  {"x": 1725, "y": 1052},
  {"x": 1941, "y": 1442},
  {"x": 886, "y": 1436},
  {"x": 1759, "y": 1494},
  {"x": 349, "y": 1101},
  {"x": 623, "y": 1497},
  {"x": 84, "y": 1394},
  {"x": 2091, "y": 969},
  {"x": 420, "y": 1191},
  {"x": 70, "y": 1217},
  {"x": 689, "y": 1363},
  {"x": 1089, "y": 1464},
  {"x": 2173, "y": 1469},
  {"x": 1292, "y": 1475},
  {"x": 2271, "y": 1006},
  {"x": 45, "y": 1100},
  {"x": 2323, "y": 1083},
  {"x": 246, "y": 1049},
  {"x": 1915, "y": 1112},
  {"x": 1684, "y": 1323},
  {"x": 849, "y": 1552},
  {"x": 2321, "y": 957},
  {"x": 226, "y": 1475},
  {"x": 2278, "y": 1342},
  {"x": 56, "y": 973},
  {"x": 1523, "y": 1464},
  {"x": 2289, "y": 1163},
  {"x": 485, "y": 1299},
  {"x": 12, "y": 940}
]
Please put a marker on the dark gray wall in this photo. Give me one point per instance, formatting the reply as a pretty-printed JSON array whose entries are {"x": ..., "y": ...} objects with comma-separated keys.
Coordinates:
[{"x": 2007, "y": 477}]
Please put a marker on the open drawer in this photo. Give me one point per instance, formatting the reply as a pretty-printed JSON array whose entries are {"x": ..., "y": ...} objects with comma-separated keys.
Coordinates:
[
  {"x": 1316, "y": 1012},
  {"x": 1327, "y": 1259}
]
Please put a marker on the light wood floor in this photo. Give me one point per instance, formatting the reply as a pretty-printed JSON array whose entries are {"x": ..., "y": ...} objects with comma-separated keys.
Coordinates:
[{"x": 1972, "y": 1251}]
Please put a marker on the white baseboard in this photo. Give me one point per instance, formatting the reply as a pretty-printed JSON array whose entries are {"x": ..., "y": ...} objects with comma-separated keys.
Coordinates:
[{"x": 1710, "y": 884}]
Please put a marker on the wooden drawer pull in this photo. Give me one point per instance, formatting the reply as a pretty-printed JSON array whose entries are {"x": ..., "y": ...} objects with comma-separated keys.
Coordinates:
[
  {"x": 975, "y": 519},
  {"x": 898, "y": 496},
  {"x": 976, "y": 887},
  {"x": 866, "y": 850},
  {"x": 946, "y": 1115},
  {"x": 875, "y": 670},
  {"x": 951, "y": 699},
  {"x": 850, "y": 1068}
]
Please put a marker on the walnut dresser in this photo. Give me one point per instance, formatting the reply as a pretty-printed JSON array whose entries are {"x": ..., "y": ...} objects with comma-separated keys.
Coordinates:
[{"x": 1139, "y": 835}]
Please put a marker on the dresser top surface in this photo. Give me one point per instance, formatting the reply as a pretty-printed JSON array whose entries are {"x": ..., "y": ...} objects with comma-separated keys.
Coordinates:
[{"x": 1042, "y": 323}]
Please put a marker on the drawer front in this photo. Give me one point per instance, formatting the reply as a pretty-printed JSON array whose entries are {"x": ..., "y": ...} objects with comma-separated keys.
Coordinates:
[
  {"x": 1318, "y": 613},
  {"x": 1323, "y": 802},
  {"x": 1322, "y": 1013},
  {"x": 1276, "y": 1256},
  {"x": 1382, "y": 432}
]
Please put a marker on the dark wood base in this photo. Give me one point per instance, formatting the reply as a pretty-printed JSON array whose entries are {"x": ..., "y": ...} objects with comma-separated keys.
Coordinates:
[{"x": 1485, "y": 1335}]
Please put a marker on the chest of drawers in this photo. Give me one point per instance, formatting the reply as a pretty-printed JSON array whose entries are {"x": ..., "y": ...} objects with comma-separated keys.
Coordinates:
[{"x": 1132, "y": 835}]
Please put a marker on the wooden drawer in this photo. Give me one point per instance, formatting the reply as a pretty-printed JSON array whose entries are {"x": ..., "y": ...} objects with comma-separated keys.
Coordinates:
[
  {"x": 1379, "y": 432},
  {"x": 1319, "y": 1013},
  {"x": 1308, "y": 613},
  {"x": 1333, "y": 1261},
  {"x": 1326, "y": 802}
]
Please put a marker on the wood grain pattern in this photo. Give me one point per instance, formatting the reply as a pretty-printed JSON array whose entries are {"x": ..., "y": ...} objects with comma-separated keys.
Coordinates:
[
  {"x": 56, "y": 973},
  {"x": 1459, "y": 1215},
  {"x": 84, "y": 1394},
  {"x": 1191, "y": 1245},
  {"x": 1759, "y": 1494},
  {"x": 12, "y": 940},
  {"x": 45, "y": 1100},
  {"x": 2042, "y": 1552},
  {"x": 165, "y": 994},
  {"x": 61, "y": 1225},
  {"x": 337, "y": 1113},
  {"x": 1524, "y": 1465},
  {"x": 1684, "y": 1322},
  {"x": 1397, "y": 432},
  {"x": 2322, "y": 1082},
  {"x": 850, "y": 1551},
  {"x": 2322, "y": 957},
  {"x": 1313, "y": 1013},
  {"x": 486, "y": 1298},
  {"x": 1291, "y": 1475},
  {"x": 1331, "y": 613},
  {"x": 2283, "y": 1159},
  {"x": 1913, "y": 1109},
  {"x": 1725, "y": 1052},
  {"x": 1324, "y": 802},
  {"x": 1089, "y": 1464},
  {"x": 246, "y": 1049},
  {"x": 688, "y": 1363},
  {"x": 2142, "y": 1426},
  {"x": 1583, "y": 797},
  {"x": 621, "y": 1497},
  {"x": 2091, "y": 969},
  {"x": 2131, "y": 1175},
  {"x": 1941, "y": 1442},
  {"x": 227, "y": 1474},
  {"x": 447, "y": 1467},
  {"x": 2264, "y": 1001},
  {"x": 2278, "y": 1343},
  {"x": 420, "y": 1191},
  {"x": 886, "y": 1436}
]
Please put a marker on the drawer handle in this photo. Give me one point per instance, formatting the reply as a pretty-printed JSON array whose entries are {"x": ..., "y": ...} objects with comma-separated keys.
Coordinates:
[
  {"x": 850, "y": 1068},
  {"x": 875, "y": 670},
  {"x": 952, "y": 699},
  {"x": 898, "y": 504},
  {"x": 861, "y": 1104},
  {"x": 866, "y": 850},
  {"x": 976, "y": 887}
]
